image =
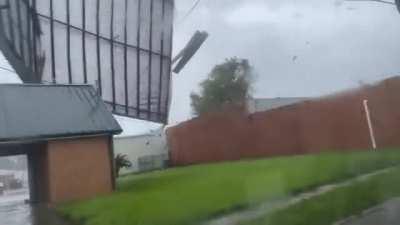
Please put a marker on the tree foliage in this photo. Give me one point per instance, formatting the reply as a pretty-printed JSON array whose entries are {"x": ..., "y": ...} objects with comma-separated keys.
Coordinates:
[
  {"x": 121, "y": 161},
  {"x": 227, "y": 85}
]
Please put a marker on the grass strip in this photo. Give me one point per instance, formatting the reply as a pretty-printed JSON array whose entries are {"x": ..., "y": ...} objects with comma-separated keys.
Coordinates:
[
  {"x": 189, "y": 195},
  {"x": 337, "y": 204}
]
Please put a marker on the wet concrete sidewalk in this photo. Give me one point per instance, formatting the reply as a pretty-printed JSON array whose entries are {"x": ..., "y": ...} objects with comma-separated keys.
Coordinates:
[
  {"x": 269, "y": 206},
  {"x": 387, "y": 213}
]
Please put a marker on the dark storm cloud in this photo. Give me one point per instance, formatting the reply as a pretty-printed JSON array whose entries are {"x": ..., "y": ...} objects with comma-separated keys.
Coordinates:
[{"x": 336, "y": 44}]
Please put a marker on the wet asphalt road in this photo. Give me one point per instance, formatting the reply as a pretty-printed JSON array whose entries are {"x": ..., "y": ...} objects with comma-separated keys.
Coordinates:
[
  {"x": 19, "y": 213},
  {"x": 14, "y": 211}
]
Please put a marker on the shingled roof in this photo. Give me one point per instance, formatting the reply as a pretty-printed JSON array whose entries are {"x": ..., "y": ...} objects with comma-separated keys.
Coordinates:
[{"x": 40, "y": 112}]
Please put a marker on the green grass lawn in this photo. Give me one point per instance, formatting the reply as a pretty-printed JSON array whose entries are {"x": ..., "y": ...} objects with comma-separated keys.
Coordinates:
[
  {"x": 337, "y": 204},
  {"x": 184, "y": 196}
]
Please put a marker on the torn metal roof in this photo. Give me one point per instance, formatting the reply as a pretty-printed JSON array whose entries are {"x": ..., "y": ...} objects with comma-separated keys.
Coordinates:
[
  {"x": 39, "y": 112},
  {"x": 123, "y": 48}
]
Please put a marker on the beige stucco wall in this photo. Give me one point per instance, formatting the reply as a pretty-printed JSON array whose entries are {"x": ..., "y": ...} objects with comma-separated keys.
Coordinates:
[{"x": 78, "y": 169}]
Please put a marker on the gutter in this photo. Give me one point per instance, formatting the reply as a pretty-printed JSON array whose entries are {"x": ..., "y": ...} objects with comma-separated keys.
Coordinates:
[{"x": 27, "y": 140}]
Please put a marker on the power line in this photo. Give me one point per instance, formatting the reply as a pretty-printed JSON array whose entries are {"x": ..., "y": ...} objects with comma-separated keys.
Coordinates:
[
  {"x": 379, "y": 1},
  {"x": 190, "y": 11}
]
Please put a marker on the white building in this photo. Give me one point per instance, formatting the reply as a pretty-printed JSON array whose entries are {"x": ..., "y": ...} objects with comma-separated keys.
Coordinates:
[
  {"x": 145, "y": 151},
  {"x": 265, "y": 104}
]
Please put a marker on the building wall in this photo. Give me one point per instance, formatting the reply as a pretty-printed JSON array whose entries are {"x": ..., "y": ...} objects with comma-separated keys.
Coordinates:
[
  {"x": 146, "y": 152},
  {"x": 74, "y": 169},
  {"x": 335, "y": 122}
]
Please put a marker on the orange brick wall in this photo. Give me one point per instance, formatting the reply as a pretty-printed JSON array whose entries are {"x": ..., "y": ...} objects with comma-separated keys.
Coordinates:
[
  {"x": 334, "y": 122},
  {"x": 78, "y": 169}
]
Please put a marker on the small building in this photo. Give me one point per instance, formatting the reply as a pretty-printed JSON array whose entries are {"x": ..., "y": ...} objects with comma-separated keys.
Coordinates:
[
  {"x": 146, "y": 151},
  {"x": 265, "y": 104},
  {"x": 66, "y": 131}
]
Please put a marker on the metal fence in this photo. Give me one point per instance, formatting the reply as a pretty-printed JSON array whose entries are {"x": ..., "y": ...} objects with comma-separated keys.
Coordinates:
[{"x": 123, "y": 47}]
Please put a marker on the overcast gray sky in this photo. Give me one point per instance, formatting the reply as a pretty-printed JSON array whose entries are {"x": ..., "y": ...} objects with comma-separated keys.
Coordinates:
[{"x": 337, "y": 44}]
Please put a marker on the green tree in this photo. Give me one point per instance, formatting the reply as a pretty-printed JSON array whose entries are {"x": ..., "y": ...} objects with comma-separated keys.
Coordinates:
[{"x": 227, "y": 85}]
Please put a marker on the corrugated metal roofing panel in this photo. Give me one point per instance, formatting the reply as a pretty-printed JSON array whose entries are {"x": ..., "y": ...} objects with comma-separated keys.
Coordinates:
[
  {"x": 50, "y": 111},
  {"x": 125, "y": 49}
]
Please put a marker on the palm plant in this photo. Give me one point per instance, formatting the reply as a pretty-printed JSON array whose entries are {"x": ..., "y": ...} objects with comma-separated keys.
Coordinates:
[{"x": 121, "y": 161}]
